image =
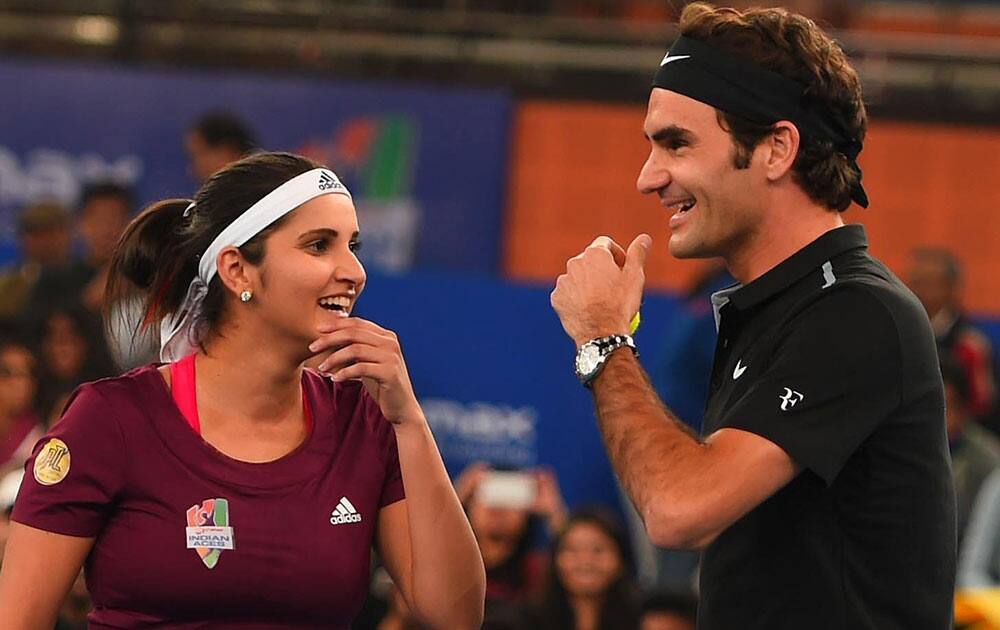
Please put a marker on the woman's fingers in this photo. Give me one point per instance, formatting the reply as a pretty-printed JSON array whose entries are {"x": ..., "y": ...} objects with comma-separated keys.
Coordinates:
[
  {"x": 360, "y": 331},
  {"x": 356, "y": 353}
]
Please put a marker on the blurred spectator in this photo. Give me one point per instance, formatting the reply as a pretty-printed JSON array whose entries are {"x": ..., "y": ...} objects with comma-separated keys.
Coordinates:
[
  {"x": 590, "y": 584},
  {"x": 935, "y": 277},
  {"x": 506, "y": 510},
  {"x": 71, "y": 353},
  {"x": 979, "y": 555},
  {"x": 680, "y": 374},
  {"x": 215, "y": 140},
  {"x": 44, "y": 239},
  {"x": 975, "y": 452},
  {"x": 104, "y": 213},
  {"x": 19, "y": 421},
  {"x": 669, "y": 610},
  {"x": 9, "y": 485}
]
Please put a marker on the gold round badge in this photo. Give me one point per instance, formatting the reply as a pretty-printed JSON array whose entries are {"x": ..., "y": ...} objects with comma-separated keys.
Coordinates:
[{"x": 52, "y": 463}]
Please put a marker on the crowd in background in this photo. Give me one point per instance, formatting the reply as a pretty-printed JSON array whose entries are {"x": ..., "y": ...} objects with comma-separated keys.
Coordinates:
[{"x": 547, "y": 566}]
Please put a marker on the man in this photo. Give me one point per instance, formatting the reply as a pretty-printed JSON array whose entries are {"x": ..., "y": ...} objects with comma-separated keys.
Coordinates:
[
  {"x": 105, "y": 210},
  {"x": 935, "y": 276},
  {"x": 975, "y": 452},
  {"x": 821, "y": 494},
  {"x": 216, "y": 140},
  {"x": 44, "y": 239}
]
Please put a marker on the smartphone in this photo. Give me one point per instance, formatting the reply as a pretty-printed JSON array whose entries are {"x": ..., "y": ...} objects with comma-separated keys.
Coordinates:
[{"x": 515, "y": 490}]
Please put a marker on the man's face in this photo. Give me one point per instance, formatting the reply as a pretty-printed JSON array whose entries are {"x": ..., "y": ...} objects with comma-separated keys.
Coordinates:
[
  {"x": 47, "y": 246},
  {"x": 102, "y": 221},
  {"x": 207, "y": 160},
  {"x": 713, "y": 205},
  {"x": 929, "y": 281}
]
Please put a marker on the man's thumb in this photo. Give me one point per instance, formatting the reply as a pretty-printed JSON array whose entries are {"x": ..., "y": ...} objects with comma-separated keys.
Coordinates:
[{"x": 638, "y": 250}]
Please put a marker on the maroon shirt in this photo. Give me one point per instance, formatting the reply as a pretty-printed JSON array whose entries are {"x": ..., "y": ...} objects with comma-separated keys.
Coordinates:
[{"x": 139, "y": 479}]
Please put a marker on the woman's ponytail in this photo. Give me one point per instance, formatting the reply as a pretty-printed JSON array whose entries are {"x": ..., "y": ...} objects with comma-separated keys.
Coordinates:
[{"x": 150, "y": 265}]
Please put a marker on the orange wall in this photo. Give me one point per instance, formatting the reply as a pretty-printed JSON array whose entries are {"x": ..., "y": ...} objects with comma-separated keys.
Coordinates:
[{"x": 574, "y": 170}]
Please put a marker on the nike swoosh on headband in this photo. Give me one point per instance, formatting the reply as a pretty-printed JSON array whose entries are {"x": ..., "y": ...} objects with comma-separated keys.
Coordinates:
[{"x": 667, "y": 58}]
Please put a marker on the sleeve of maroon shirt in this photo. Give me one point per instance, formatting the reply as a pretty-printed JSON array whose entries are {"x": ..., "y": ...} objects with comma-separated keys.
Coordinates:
[{"x": 76, "y": 471}]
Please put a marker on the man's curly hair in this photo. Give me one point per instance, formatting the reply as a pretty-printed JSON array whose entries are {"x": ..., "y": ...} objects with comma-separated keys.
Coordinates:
[{"x": 791, "y": 45}]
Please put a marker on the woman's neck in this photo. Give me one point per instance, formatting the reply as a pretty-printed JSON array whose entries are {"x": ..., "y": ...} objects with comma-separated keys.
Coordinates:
[
  {"x": 587, "y": 611},
  {"x": 250, "y": 377}
]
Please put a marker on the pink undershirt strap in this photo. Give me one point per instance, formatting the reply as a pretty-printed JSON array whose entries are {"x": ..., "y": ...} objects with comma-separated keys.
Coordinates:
[{"x": 182, "y": 386}]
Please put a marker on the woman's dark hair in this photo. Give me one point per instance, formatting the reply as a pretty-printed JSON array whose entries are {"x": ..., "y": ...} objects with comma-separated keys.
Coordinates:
[
  {"x": 157, "y": 256},
  {"x": 620, "y": 608}
]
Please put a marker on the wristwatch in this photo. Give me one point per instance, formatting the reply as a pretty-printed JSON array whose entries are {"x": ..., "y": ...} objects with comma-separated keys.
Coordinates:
[{"x": 591, "y": 356}]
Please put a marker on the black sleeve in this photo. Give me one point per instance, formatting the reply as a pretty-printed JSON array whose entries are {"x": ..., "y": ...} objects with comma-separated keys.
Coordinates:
[{"x": 833, "y": 379}]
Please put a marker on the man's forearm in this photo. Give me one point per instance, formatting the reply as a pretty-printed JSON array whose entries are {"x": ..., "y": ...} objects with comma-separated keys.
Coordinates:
[{"x": 652, "y": 452}]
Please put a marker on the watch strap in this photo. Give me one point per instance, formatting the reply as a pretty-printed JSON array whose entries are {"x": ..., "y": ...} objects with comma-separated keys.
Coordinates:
[{"x": 605, "y": 346}]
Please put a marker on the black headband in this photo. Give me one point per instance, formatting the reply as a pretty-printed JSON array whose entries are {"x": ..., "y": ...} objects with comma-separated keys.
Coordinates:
[{"x": 743, "y": 88}]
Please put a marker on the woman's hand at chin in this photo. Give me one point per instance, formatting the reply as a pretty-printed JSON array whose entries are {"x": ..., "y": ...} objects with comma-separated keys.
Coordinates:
[{"x": 362, "y": 350}]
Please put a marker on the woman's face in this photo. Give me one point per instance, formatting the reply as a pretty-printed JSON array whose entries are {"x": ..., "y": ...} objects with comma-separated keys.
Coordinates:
[
  {"x": 17, "y": 380},
  {"x": 64, "y": 346},
  {"x": 497, "y": 525},
  {"x": 587, "y": 561},
  {"x": 311, "y": 274}
]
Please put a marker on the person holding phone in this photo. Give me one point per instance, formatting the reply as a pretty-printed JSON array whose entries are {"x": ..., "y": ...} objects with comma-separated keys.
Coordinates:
[
  {"x": 508, "y": 510},
  {"x": 231, "y": 487}
]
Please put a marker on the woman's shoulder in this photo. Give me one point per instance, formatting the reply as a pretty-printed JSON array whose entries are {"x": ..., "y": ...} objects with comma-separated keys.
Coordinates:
[{"x": 132, "y": 392}]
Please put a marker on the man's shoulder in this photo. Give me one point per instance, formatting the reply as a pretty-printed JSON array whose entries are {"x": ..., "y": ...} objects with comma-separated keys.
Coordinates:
[{"x": 866, "y": 293}]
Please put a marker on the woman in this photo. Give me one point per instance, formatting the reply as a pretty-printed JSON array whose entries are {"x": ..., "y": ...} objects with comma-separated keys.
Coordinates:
[
  {"x": 590, "y": 585},
  {"x": 507, "y": 534},
  {"x": 232, "y": 487},
  {"x": 19, "y": 420},
  {"x": 72, "y": 351}
]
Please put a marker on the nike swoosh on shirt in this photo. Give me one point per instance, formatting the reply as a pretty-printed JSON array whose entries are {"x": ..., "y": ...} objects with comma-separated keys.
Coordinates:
[
  {"x": 740, "y": 369},
  {"x": 667, "y": 59}
]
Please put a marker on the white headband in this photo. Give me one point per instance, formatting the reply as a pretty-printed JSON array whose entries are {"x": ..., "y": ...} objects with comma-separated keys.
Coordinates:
[{"x": 177, "y": 330}]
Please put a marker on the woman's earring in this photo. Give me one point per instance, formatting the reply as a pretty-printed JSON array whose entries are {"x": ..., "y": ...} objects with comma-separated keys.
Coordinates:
[{"x": 246, "y": 295}]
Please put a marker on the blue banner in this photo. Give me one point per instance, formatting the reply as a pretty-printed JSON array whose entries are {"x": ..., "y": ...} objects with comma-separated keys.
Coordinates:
[
  {"x": 494, "y": 372},
  {"x": 427, "y": 166}
]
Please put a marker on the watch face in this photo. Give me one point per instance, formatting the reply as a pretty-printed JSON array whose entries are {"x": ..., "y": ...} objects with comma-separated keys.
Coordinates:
[{"x": 588, "y": 359}]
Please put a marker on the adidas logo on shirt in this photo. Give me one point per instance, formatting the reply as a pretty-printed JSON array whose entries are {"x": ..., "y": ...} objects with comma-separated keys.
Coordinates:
[{"x": 344, "y": 513}]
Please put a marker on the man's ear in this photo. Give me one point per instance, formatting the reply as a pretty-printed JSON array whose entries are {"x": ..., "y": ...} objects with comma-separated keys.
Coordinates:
[
  {"x": 781, "y": 148},
  {"x": 236, "y": 274}
]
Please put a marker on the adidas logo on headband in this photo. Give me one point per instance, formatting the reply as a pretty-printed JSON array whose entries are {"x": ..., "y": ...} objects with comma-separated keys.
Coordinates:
[{"x": 327, "y": 183}]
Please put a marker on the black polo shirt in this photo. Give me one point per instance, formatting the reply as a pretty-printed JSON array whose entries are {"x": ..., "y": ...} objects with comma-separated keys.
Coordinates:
[{"x": 830, "y": 357}]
